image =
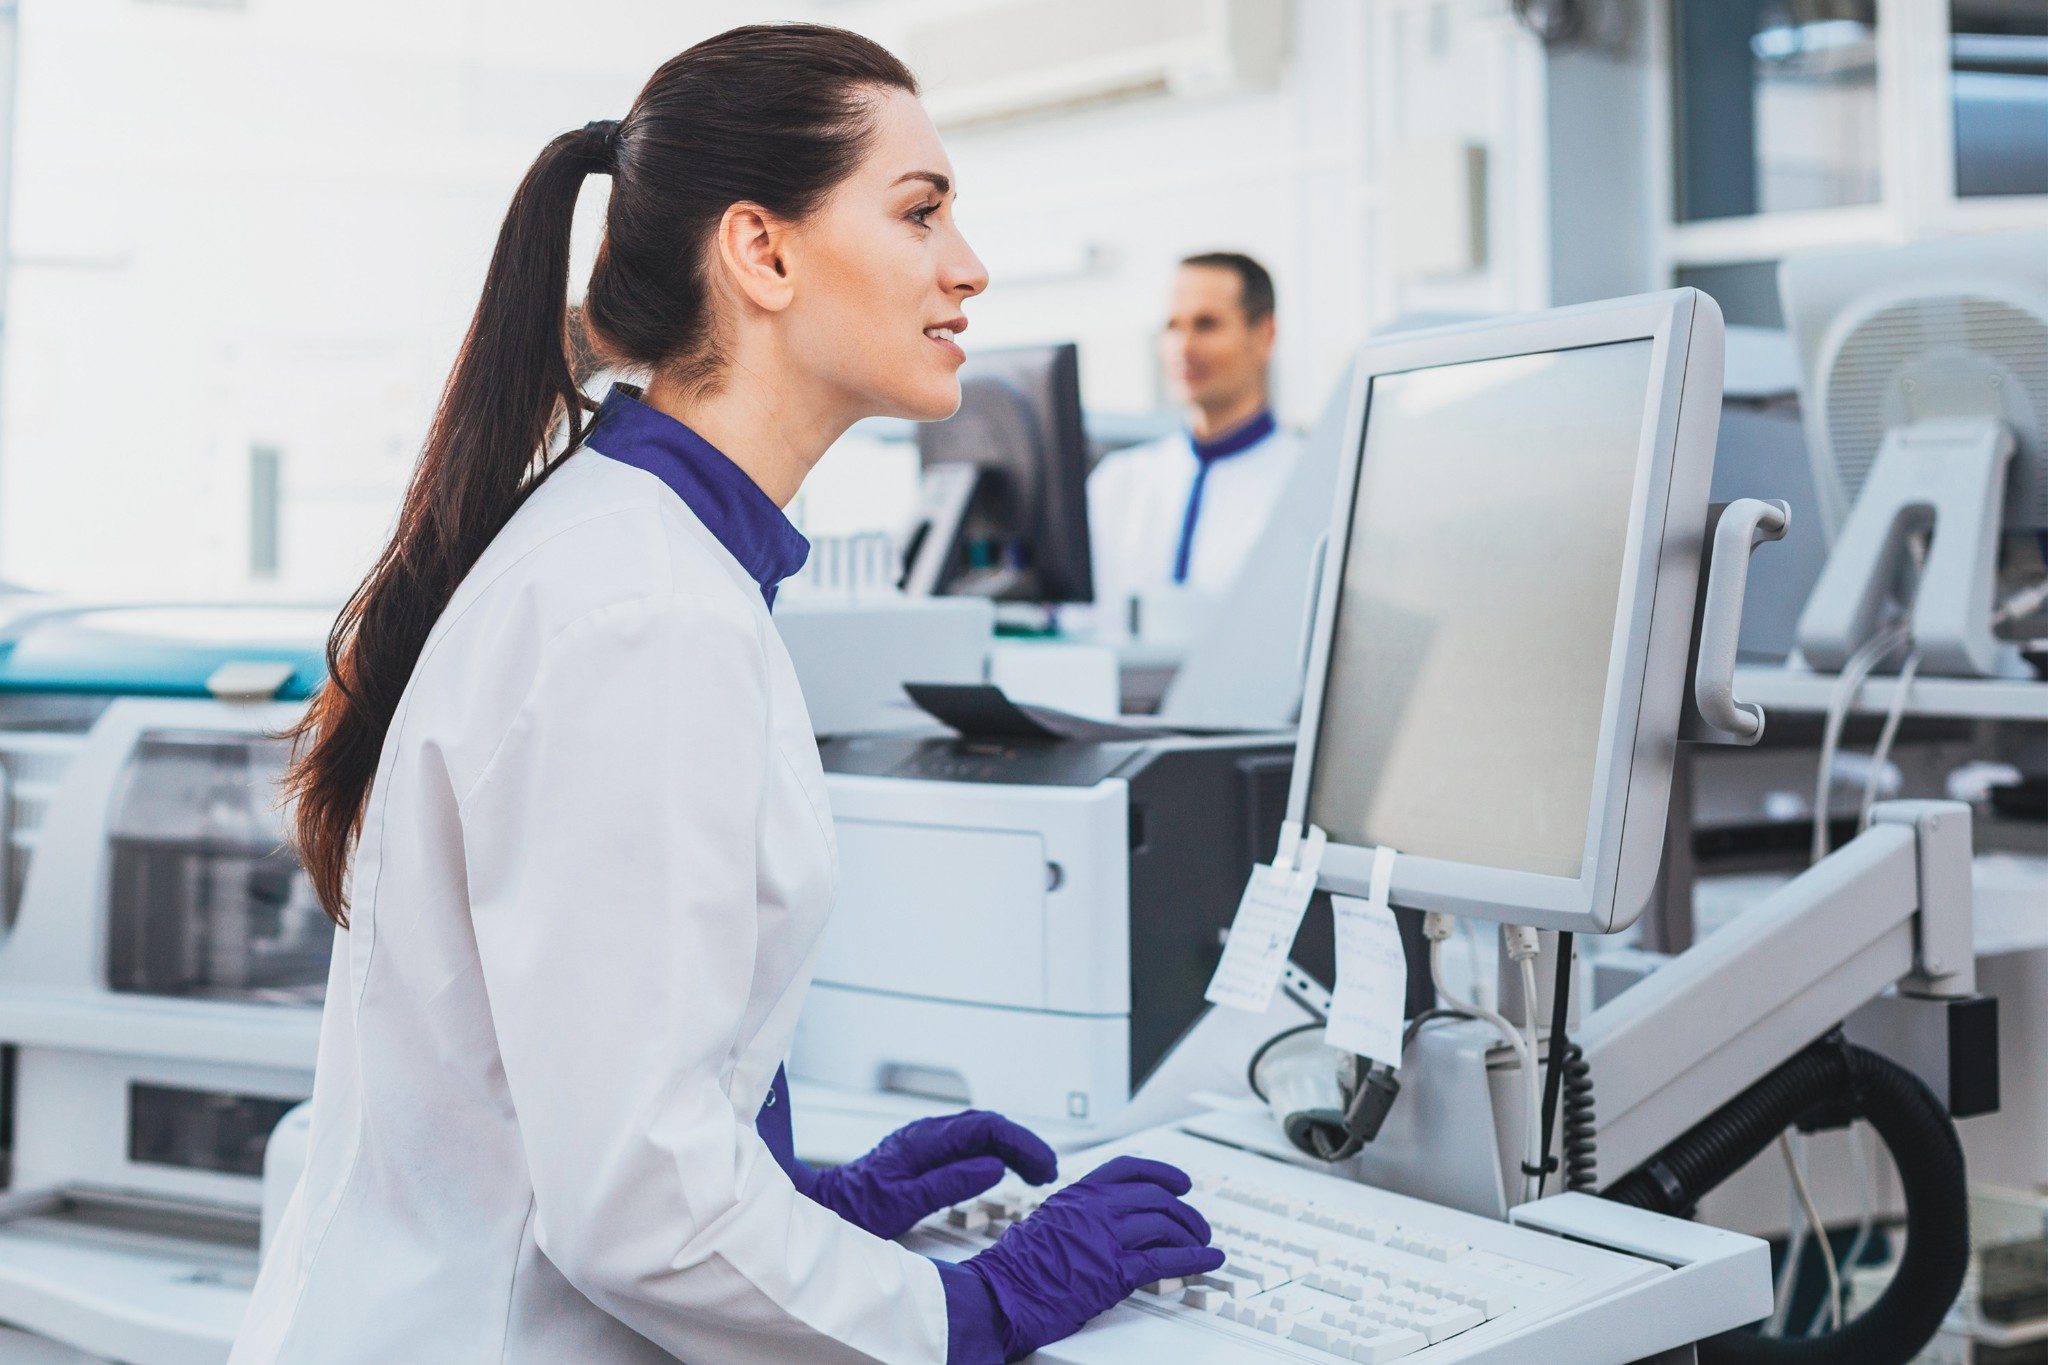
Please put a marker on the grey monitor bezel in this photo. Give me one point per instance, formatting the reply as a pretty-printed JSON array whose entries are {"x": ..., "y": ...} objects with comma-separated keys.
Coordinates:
[{"x": 1647, "y": 675}]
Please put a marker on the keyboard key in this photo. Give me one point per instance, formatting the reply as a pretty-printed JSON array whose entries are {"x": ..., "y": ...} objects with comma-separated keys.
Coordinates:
[
  {"x": 1323, "y": 1273},
  {"x": 1446, "y": 1322},
  {"x": 1385, "y": 1346},
  {"x": 1492, "y": 1302},
  {"x": 1313, "y": 1334},
  {"x": 1262, "y": 1272},
  {"x": 1227, "y": 1280}
]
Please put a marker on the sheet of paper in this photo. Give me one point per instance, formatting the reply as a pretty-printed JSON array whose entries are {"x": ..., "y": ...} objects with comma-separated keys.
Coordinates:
[
  {"x": 1372, "y": 971},
  {"x": 1268, "y": 918}
]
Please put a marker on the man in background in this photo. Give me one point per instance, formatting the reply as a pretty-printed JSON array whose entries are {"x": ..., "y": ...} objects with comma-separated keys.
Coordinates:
[{"x": 1183, "y": 512}]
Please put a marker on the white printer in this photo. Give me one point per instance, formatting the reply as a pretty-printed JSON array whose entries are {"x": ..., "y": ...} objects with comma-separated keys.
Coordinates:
[{"x": 1028, "y": 926}]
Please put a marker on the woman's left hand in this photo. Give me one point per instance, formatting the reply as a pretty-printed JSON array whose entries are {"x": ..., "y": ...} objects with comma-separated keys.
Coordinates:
[{"x": 930, "y": 1165}]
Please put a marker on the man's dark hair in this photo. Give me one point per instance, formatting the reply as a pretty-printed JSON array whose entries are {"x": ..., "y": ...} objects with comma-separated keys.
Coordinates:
[{"x": 1255, "y": 285}]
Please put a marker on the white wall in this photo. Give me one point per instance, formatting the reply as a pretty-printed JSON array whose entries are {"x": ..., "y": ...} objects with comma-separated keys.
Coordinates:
[
  {"x": 266, "y": 225},
  {"x": 263, "y": 225}
]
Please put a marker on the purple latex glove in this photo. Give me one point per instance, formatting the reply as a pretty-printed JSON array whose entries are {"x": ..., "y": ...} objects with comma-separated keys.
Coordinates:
[
  {"x": 1089, "y": 1246},
  {"x": 930, "y": 1165}
]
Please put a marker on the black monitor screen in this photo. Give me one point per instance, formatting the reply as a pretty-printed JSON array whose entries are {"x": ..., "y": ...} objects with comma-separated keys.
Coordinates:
[{"x": 1025, "y": 535}]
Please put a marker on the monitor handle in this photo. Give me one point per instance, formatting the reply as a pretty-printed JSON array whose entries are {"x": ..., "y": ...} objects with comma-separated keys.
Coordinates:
[{"x": 1736, "y": 529}]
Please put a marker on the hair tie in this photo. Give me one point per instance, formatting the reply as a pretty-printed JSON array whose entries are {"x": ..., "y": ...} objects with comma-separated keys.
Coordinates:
[{"x": 605, "y": 131}]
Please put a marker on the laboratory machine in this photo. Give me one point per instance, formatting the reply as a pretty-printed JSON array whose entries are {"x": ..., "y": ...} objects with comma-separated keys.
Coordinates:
[
  {"x": 162, "y": 965},
  {"x": 1529, "y": 602}
]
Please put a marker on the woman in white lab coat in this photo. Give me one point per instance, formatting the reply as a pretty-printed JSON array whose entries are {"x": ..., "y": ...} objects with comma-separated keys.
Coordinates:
[{"x": 562, "y": 795}]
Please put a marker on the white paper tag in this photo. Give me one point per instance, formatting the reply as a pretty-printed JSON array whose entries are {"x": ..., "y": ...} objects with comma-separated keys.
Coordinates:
[
  {"x": 1268, "y": 918},
  {"x": 1372, "y": 971}
]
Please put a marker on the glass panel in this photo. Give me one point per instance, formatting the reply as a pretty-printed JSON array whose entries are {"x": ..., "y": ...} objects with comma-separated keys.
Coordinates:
[
  {"x": 1776, "y": 105},
  {"x": 1747, "y": 291},
  {"x": 1999, "y": 55},
  {"x": 201, "y": 1130},
  {"x": 206, "y": 899}
]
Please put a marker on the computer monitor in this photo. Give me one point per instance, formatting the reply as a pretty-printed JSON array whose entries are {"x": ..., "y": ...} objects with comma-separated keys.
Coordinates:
[
  {"x": 1924, "y": 388},
  {"x": 1500, "y": 648},
  {"x": 1017, "y": 529}
]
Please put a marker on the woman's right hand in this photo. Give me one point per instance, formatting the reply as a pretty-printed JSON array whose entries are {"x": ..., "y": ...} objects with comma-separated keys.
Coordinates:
[{"x": 1088, "y": 1246}]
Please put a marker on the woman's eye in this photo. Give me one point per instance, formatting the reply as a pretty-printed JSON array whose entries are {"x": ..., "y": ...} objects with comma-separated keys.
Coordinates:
[{"x": 919, "y": 214}]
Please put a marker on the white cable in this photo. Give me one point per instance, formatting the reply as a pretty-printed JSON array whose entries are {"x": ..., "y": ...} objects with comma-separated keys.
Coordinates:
[
  {"x": 1469, "y": 936},
  {"x": 2024, "y": 602},
  {"x": 1847, "y": 685},
  {"x": 1866, "y": 1219},
  {"x": 1859, "y": 666},
  {"x": 1533, "y": 1138},
  {"x": 1795, "y": 1249},
  {"x": 1882, "y": 753},
  {"x": 1788, "y": 1270},
  {"x": 1820, "y": 1232},
  {"x": 1530, "y": 999}
]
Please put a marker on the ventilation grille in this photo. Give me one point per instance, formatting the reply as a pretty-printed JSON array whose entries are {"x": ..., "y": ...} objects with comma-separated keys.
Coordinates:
[{"x": 1865, "y": 378}]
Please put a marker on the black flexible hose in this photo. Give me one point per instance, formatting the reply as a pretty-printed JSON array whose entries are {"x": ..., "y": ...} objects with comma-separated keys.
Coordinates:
[
  {"x": 1838, "y": 1078},
  {"x": 1580, "y": 1155}
]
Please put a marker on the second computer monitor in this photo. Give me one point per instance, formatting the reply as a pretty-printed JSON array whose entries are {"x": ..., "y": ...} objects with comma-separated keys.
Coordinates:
[
  {"x": 1501, "y": 642},
  {"x": 1024, "y": 532}
]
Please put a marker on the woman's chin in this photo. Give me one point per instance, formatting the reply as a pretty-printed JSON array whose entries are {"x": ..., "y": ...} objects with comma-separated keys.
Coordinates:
[{"x": 931, "y": 403}]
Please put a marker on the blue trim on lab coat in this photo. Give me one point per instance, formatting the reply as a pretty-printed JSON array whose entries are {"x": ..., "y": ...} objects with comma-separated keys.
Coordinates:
[
  {"x": 1207, "y": 453},
  {"x": 731, "y": 505}
]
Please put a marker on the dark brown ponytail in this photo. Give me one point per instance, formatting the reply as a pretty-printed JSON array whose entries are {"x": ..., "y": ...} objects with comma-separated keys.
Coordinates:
[{"x": 768, "y": 114}]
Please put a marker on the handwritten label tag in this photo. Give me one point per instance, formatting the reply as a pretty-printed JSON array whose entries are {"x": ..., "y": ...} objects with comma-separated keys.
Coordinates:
[
  {"x": 1268, "y": 918},
  {"x": 1372, "y": 971}
]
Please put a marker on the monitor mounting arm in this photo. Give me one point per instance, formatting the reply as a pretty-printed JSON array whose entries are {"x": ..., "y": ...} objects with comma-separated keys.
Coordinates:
[{"x": 1889, "y": 909}]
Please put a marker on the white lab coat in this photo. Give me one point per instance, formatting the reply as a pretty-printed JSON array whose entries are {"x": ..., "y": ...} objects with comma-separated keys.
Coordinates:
[
  {"x": 1137, "y": 502},
  {"x": 593, "y": 874}
]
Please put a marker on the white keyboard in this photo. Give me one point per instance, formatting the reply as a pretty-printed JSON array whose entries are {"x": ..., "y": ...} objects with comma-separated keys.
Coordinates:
[{"x": 1322, "y": 1269}]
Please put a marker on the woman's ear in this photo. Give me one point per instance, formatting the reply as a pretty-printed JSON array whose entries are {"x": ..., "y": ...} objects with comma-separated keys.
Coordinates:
[{"x": 750, "y": 245}]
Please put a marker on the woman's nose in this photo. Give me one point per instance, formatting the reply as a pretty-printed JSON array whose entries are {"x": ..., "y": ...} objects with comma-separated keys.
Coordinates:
[{"x": 965, "y": 274}]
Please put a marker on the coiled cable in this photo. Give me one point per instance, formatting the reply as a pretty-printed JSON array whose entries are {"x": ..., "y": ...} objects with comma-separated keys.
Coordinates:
[{"x": 1578, "y": 1138}]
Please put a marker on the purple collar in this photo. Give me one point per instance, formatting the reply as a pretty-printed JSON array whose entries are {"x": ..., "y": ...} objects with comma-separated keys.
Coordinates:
[
  {"x": 1237, "y": 440},
  {"x": 731, "y": 505}
]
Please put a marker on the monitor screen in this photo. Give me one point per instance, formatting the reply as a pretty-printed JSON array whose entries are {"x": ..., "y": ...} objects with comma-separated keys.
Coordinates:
[
  {"x": 1475, "y": 626},
  {"x": 1024, "y": 533}
]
